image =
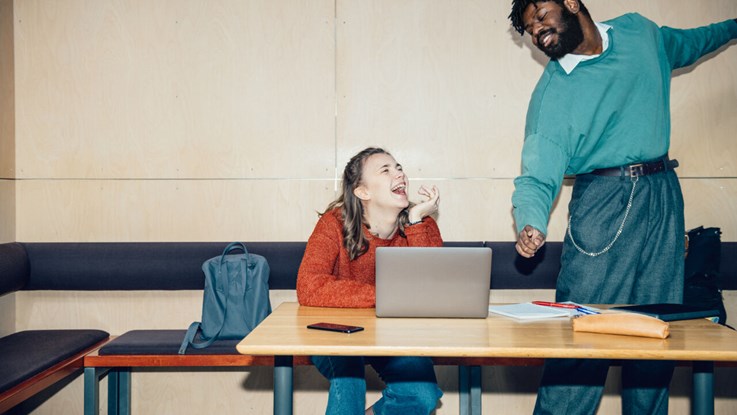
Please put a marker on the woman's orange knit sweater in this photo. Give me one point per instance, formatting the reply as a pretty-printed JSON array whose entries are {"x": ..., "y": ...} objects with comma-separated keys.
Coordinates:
[{"x": 327, "y": 278}]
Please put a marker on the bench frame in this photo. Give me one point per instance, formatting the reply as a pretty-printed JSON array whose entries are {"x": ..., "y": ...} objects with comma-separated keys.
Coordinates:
[{"x": 118, "y": 370}]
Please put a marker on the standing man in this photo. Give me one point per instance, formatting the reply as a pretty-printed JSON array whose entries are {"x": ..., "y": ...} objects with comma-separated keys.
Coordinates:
[{"x": 601, "y": 112}]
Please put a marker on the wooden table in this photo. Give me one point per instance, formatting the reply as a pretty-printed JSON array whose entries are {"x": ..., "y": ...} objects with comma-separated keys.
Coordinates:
[{"x": 283, "y": 334}]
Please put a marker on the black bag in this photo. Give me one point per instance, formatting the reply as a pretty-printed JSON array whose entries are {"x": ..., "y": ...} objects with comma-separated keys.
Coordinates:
[
  {"x": 702, "y": 280},
  {"x": 236, "y": 297}
]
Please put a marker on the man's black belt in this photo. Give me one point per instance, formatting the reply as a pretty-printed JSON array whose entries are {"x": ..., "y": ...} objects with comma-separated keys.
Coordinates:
[{"x": 639, "y": 169}]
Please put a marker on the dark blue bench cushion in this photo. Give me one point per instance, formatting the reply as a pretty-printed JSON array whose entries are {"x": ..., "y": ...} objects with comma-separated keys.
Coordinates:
[
  {"x": 728, "y": 266},
  {"x": 510, "y": 271},
  {"x": 28, "y": 353},
  {"x": 161, "y": 342},
  {"x": 146, "y": 265},
  {"x": 13, "y": 267},
  {"x": 177, "y": 265},
  {"x": 151, "y": 265}
]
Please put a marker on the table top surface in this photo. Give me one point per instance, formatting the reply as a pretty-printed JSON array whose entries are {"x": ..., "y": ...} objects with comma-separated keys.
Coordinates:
[{"x": 285, "y": 332}]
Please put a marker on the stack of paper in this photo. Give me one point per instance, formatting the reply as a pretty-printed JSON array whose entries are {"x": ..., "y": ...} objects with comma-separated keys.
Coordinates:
[{"x": 529, "y": 311}]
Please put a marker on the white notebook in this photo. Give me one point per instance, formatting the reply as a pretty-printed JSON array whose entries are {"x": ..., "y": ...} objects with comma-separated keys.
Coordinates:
[{"x": 529, "y": 311}]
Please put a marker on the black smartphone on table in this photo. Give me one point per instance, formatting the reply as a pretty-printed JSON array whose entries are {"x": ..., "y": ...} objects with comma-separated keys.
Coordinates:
[{"x": 340, "y": 328}]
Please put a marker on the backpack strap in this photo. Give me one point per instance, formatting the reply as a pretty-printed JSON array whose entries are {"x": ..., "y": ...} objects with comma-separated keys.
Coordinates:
[
  {"x": 189, "y": 339},
  {"x": 233, "y": 246}
]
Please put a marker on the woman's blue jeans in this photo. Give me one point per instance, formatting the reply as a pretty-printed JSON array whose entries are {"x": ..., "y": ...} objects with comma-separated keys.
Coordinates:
[{"x": 411, "y": 386}]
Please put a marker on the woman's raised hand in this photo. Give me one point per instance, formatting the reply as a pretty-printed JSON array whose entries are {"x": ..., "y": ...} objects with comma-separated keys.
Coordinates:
[{"x": 426, "y": 207}]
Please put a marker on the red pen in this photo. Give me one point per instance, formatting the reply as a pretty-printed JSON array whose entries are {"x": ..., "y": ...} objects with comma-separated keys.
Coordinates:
[{"x": 559, "y": 305}]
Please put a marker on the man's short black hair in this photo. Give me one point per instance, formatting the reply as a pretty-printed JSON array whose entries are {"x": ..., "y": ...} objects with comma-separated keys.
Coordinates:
[{"x": 519, "y": 6}]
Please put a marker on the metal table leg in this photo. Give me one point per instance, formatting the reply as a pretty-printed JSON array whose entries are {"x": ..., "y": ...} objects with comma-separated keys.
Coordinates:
[
  {"x": 283, "y": 386},
  {"x": 469, "y": 390},
  {"x": 464, "y": 388},
  {"x": 702, "y": 401},
  {"x": 475, "y": 377}
]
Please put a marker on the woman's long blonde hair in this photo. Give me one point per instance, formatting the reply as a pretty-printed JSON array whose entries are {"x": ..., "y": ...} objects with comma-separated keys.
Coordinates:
[{"x": 354, "y": 239}]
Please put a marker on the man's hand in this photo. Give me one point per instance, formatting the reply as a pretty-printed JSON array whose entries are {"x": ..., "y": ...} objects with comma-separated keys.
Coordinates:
[{"x": 529, "y": 241}]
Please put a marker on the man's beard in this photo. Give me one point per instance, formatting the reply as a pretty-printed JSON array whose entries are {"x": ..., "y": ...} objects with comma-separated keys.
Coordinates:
[{"x": 569, "y": 37}]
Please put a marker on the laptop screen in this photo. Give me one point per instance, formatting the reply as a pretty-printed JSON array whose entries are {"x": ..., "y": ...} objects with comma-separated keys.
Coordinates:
[{"x": 444, "y": 282}]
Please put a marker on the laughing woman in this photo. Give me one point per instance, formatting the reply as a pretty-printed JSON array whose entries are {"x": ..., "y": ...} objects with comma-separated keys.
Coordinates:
[{"x": 338, "y": 270}]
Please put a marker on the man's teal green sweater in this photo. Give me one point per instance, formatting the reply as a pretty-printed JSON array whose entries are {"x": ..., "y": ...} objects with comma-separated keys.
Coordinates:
[{"x": 609, "y": 111}]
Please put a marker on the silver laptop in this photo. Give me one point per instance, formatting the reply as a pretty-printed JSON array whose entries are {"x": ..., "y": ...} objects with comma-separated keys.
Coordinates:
[{"x": 433, "y": 282}]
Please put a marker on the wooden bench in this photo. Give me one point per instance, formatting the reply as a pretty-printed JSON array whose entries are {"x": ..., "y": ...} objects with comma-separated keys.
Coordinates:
[
  {"x": 176, "y": 266},
  {"x": 154, "y": 349},
  {"x": 33, "y": 360},
  {"x": 158, "y": 349}
]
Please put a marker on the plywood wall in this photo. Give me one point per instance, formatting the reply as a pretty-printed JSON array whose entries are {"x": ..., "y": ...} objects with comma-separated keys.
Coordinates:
[
  {"x": 7, "y": 93},
  {"x": 7, "y": 124},
  {"x": 186, "y": 120},
  {"x": 141, "y": 122},
  {"x": 7, "y": 152}
]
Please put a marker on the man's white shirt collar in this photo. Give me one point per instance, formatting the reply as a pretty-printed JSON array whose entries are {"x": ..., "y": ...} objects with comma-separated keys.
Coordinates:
[{"x": 570, "y": 61}]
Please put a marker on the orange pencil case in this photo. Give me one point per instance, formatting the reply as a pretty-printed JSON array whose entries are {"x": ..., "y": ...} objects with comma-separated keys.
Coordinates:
[{"x": 627, "y": 324}]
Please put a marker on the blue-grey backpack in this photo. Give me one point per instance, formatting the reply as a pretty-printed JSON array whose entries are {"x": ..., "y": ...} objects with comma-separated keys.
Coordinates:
[{"x": 236, "y": 297}]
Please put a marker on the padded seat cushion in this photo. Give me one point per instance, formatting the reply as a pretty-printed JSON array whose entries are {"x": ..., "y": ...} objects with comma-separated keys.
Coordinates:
[
  {"x": 161, "y": 342},
  {"x": 28, "y": 353}
]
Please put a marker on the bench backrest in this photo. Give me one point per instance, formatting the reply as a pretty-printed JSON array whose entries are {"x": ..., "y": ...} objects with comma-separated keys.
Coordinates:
[
  {"x": 14, "y": 269},
  {"x": 151, "y": 265},
  {"x": 146, "y": 265},
  {"x": 177, "y": 265}
]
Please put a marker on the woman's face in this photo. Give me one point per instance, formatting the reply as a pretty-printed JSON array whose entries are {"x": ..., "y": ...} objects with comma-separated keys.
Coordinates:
[{"x": 383, "y": 183}]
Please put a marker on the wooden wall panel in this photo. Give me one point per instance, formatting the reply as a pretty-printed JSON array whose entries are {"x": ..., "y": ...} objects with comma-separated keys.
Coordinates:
[
  {"x": 251, "y": 210},
  {"x": 7, "y": 211},
  {"x": 406, "y": 74},
  {"x": 7, "y": 91},
  {"x": 101, "y": 309},
  {"x": 161, "y": 210},
  {"x": 432, "y": 85},
  {"x": 169, "y": 210},
  {"x": 711, "y": 202},
  {"x": 7, "y": 152},
  {"x": 183, "y": 89},
  {"x": 703, "y": 101},
  {"x": 7, "y": 314}
]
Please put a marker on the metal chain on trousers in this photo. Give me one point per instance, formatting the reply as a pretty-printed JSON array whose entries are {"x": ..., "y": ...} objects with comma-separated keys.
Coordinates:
[{"x": 619, "y": 231}]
